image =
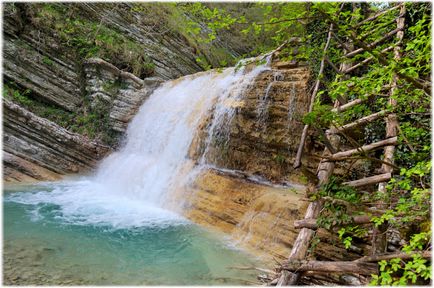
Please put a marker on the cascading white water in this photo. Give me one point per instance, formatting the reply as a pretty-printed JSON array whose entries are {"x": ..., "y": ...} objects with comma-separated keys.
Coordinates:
[
  {"x": 159, "y": 137},
  {"x": 130, "y": 185},
  {"x": 264, "y": 102}
]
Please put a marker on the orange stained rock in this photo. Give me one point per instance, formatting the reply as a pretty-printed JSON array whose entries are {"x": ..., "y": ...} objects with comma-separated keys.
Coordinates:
[{"x": 257, "y": 217}]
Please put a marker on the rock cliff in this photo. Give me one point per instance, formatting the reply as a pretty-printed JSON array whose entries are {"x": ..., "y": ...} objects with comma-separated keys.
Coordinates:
[
  {"x": 87, "y": 67},
  {"x": 256, "y": 215},
  {"x": 37, "y": 149},
  {"x": 121, "y": 93},
  {"x": 264, "y": 133}
]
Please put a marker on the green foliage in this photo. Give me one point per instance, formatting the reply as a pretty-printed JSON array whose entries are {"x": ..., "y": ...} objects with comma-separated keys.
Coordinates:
[
  {"x": 335, "y": 213},
  {"x": 335, "y": 189},
  {"x": 412, "y": 193},
  {"x": 261, "y": 27},
  {"x": 21, "y": 97},
  {"x": 321, "y": 116},
  {"x": 95, "y": 123},
  {"x": 347, "y": 233},
  {"x": 280, "y": 159},
  {"x": 408, "y": 197},
  {"x": 92, "y": 39},
  {"x": 47, "y": 61},
  {"x": 92, "y": 122},
  {"x": 399, "y": 272},
  {"x": 203, "y": 63},
  {"x": 24, "y": 98}
]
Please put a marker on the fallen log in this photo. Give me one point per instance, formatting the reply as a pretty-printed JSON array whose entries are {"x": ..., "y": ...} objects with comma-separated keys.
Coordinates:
[
  {"x": 373, "y": 44},
  {"x": 369, "y": 180},
  {"x": 403, "y": 256},
  {"x": 312, "y": 223},
  {"x": 366, "y": 148},
  {"x": 362, "y": 268},
  {"x": 376, "y": 16},
  {"x": 359, "y": 122}
]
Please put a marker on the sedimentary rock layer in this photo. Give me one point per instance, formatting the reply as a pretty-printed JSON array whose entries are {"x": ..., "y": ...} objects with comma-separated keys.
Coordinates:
[
  {"x": 255, "y": 215},
  {"x": 31, "y": 142},
  {"x": 122, "y": 93},
  {"x": 265, "y": 131}
]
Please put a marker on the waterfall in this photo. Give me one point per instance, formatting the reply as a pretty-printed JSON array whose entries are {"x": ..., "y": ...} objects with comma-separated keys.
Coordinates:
[
  {"x": 264, "y": 102},
  {"x": 159, "y": 136},
  {"x": 131, "y": 185}
]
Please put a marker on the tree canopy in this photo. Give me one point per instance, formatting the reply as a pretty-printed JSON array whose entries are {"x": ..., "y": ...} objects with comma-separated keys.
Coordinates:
[{"x": 364, "y": 38}]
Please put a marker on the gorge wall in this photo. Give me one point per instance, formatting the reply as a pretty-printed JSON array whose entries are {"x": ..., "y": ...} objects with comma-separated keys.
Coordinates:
[
  {"x": 37, "y": 149},
  {"x": 52, "y": 67},
  {"x": 86, "y": 68},
  {"x": 258, "y": 216},
  {"x": 264, "y": 134}
]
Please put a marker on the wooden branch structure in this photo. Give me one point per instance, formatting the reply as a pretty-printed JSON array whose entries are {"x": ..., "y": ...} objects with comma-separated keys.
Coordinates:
[
  {"x": 369, "y": 180},
  {"x": 373, "y": 44},
  {"x": 359, "y": 122},
  {"x": 297, "y": 161},
  {"x": 402, "y": 256},
  {"x": 312, "y": 223},
  {"x": 362, "y": 268},
  {"x": 362, "y": 150},
  {"x": 296, "y": 264}
]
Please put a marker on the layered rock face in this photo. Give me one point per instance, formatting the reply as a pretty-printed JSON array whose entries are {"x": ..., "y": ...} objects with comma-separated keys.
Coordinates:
[
  {"x": 40, "y": 58},
  {"x": 37, "y": 149},
  {"x": 264, "y": 133},
  {"x": 256, "y": 216},
  {"x": 121, "y": 92},
  {"x": 259, "y": 146}
]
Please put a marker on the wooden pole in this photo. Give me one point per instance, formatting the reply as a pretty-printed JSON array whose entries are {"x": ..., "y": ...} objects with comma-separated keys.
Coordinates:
[
  {"x": 369, "y": 180},
  {"x": 403, "y": 256},
  {"x": 365, "y": 148},
  {"x": 362, "y": 268},
  {"x": 297, "y": 161},
  {"x": 379, "y": 241},
  {"x": 373, "y": 44},
  {"x": 312, "y": 223}
]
